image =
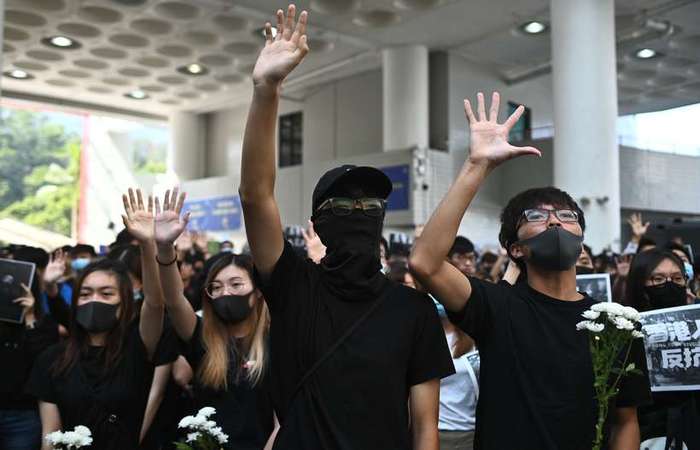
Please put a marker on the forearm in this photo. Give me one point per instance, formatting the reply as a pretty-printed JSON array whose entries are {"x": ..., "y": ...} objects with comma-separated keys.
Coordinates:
[
  {"x": 155, "y": 397},
  {"x": 180, "y": 311},
  {"x": 258, "y": 165},
  {"x": 625, "y": 433},
  {"x": 426, "y": 437},
  {"x": 431, "y": 248},
  {"x": 152, "y": 310}
]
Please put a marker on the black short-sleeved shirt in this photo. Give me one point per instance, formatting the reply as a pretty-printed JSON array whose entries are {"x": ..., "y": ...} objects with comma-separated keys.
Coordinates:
[
  {"x": 243, "y": 411},
  {"x": 111, "y": 405},
  {"x": 358, "y": 398},
  {"x": 536, "y": 381}
]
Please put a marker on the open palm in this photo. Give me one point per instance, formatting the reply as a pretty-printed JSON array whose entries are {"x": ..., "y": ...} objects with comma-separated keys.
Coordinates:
[
  {"x": 138, "y": 219},
  {"x": 489, "y": 139},
  {"x": 284, "y": 52},
  {"x": 169, "y": 224}
]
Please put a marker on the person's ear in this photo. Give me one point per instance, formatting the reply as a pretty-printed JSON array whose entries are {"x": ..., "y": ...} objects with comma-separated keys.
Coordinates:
[{"x": 517, "y": 251}]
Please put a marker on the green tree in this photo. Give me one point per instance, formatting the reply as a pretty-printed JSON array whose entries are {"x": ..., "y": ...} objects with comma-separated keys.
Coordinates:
[{"x": 39, "y": 168}]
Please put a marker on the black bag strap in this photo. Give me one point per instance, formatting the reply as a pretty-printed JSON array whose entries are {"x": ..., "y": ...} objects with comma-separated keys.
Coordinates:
[{"x": 319, "y": 362}]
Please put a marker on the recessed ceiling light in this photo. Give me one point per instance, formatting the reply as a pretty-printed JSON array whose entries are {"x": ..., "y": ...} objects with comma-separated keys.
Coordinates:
[
  {"x": 534, "y": 27},
  {"x": 193, "y": 69},
  {"x": 646, "y": 53},
  {"x": 62, "y": 42},
  {"x": 18, "y": 74},
  {"x": 136, "y": 95}
]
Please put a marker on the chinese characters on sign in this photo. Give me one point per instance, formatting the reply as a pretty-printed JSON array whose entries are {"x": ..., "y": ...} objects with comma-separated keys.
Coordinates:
[
  {"x": 214, "y": 214},
  {"x": 672, "y": 342}
]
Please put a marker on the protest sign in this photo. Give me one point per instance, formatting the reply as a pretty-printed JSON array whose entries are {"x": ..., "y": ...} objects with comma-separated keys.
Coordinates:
[
  {"x": 596, "y": 285},
  {"x": 12, "y": 275}
]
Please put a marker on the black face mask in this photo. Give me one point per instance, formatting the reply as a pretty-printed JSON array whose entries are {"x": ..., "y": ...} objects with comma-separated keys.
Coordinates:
[
  {"x": 554, "y": 249},
  {"x": 232, "y": 309},
  {"x": 97, "y": 317},
  {"x": 352, "y": 252},
  {"x": 584, "y": 270},
  {"x": 666, "y": 295}
]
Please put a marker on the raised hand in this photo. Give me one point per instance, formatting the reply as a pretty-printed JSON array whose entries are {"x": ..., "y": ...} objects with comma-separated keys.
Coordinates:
[
  {"x": 168, "y": 222},
  {"x": 315, "y": 249},
  {"x": 27, "y": 302},
  {"x": 56, "y": 267},
  {"x": 489, "y": 139},
  {"x": 284, "y": 52},
  {"x": 639, "y": 228},
  {"x": 138, "y": 219}
]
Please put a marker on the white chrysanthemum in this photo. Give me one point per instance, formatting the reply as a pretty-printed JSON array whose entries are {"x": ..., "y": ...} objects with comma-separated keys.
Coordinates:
[
  {"x": 590, "y": 314},
  {"x": 637, "y": 334},
  {"x": 206, "y": 411},
  {"x": 590, "y": 326},
  {"x": 610, "y": 308},
  {"x": 622, "y": 324},
  {"x": 74, "y": 439},
  {"x": 82, "y": 430},
  {"x": 192, "y": 437},
  {"x": 54, "y": 438},
  {"x": 208, "y": 425},
  {"x": 632, "y": 314},
  {"x": 219, "y": 435},
  {"x": 186, "y": 422},
  {"x": 197, "y": 422}
]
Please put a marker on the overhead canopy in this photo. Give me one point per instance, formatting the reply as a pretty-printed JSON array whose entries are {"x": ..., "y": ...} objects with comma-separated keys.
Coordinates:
[{"x": 15, "y": 232}]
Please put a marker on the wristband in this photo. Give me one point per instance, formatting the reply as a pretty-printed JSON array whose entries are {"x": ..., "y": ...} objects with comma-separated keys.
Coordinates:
[{"x": 166, "y": 264}]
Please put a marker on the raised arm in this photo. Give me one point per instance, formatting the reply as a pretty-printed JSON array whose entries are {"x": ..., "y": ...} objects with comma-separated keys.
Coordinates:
[
  {"x": 489, "y": 147},
  {"x": 169, "y": 225},
  {"x": 276, "y": 60},
  {"x": 139, "y": 221}
]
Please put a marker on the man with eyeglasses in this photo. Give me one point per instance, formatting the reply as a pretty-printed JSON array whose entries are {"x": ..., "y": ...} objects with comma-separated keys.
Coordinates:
[
  {"x": 536, "y": 388},
  {"x": 351, "y": 351},
  {"x": 463, "y": 256}
]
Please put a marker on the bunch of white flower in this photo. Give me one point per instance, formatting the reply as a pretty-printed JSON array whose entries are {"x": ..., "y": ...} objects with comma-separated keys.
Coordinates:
[
  {"x": 79, "y": 437},
  {"x": 622, "y": 317},
  {"x": 205, "y": 432}
]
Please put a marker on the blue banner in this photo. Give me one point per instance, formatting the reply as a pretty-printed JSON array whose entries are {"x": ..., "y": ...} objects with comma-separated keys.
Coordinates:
[
  {"x": 215, "y": 214},
  {"x": 399, "y": 200}
]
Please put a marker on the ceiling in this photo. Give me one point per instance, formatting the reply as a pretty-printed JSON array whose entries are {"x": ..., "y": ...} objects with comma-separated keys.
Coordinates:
[{"x": 129, "y": 45}]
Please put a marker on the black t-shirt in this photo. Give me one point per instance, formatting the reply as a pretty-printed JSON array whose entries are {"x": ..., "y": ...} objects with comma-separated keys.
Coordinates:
[
  {"x": 536, "y": 380},
  {"x": 243, "y": 411},
  {"x": 358, "y": 398},
  {"x": 111, "y": 405},
  {"x": 19, "y": 348}
]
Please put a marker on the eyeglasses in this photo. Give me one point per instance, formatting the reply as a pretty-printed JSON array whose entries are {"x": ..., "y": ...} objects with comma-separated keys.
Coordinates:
[
  {"x": 542, "y": 215},
  {"x": 217, "y": 288},
  {"x": 658, "y": 279},
  {"x": 341, "y": 206}
]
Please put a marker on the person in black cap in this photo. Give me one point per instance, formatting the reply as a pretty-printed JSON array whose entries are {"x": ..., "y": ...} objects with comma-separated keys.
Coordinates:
[{"x": 351, "y": 351}]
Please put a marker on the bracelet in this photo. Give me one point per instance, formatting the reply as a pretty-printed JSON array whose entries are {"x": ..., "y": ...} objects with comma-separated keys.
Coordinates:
[{"x": 166, "y": 264}]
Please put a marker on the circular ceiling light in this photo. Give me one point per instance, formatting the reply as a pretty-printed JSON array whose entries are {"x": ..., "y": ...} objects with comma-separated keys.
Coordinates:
[
  {"x": 533, "y": 27},
  {"x": 18, "y": 74},
  {"x": 136, "y": 95},
  {"x": 646, "y": 53},
  {"x": 62, "y": 42},
  {"x": 193, "y": 69}
]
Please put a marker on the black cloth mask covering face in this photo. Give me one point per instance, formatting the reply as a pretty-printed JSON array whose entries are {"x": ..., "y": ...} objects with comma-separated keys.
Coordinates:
[
  {"x": 554, "y": 249},
  {"x": 666, "y": 295},
  {"x": 97, "y": 317},
  {"x": 583, "y": 270},
  {"x": 351, "y": 265},
  {"x": 232, "y": 309}
]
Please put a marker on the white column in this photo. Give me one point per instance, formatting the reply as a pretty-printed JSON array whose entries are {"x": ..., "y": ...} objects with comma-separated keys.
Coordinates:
[
  {"x": 187, "y": 152},
  {"x": 586, "y": 161},
  {"x": 2, "y": 37},
  {"x": 405, "y": 97}
]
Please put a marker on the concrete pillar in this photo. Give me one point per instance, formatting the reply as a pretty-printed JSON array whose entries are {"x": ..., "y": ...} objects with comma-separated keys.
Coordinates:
[
  {"x": 584, "y": 74},
  {"x": 2, "y": 37},
  {"x": 405, "y": 97},
  {"x": 187, "y": 152}
]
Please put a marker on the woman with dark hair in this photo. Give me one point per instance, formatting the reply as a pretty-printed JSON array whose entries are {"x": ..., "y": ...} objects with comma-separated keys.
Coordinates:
[
  {"x": 100, "y": 376},
  {"x": 657, "y": 280},
  {"x": 227, "y": 346}
]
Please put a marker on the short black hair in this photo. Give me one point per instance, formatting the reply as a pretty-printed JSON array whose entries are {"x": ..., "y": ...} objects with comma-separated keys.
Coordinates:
[
  {"x": 123, "y": 238},
  {"x": 460, "y": 246},
  {"x": 644, "y": 242},
  {"x": 82, "y": 248},
  {"x": 130, "y": 255},
  {"x": 676, "y": 246},
  {"x": 588, "y": 250},
  {"x": 533, "y": 198},
  {"x": 35, "y": 255}
]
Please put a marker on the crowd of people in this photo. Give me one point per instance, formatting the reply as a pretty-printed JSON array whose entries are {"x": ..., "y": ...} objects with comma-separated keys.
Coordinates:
[{"x": 346, "y": 341}]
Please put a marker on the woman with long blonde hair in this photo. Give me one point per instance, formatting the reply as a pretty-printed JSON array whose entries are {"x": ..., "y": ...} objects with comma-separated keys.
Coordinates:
[{"x": 227, "y": 346}]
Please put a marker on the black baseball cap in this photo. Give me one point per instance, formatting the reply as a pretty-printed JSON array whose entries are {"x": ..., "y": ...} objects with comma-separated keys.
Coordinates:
[{"x": 363, "y": 176}]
